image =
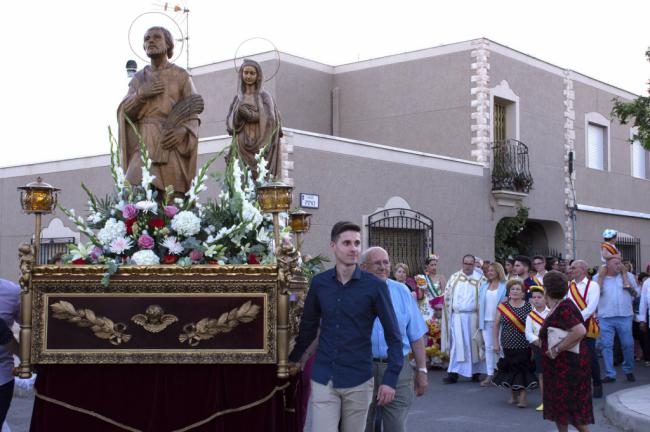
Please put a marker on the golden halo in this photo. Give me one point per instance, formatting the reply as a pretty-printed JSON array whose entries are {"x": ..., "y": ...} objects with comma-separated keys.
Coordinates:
[
  {"x": 175, "y": 36},
  {"x": 275, "y": 49}
]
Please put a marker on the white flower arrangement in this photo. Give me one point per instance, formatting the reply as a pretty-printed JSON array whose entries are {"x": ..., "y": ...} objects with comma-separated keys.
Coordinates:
[
  {"x": 120, "y": 245},
  {"x": 145, "y": 257},
  {"x": 112, "y": 230},
  {"x": 147, "y": 206},
  {"x": 173, "y": 245},
  {"x": 186, "y": 223},
  {"x": 135, "y": 226}
]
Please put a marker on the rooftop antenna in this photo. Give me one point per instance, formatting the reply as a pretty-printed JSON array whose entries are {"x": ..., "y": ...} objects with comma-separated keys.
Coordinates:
[{"x": 182, "y": 10}]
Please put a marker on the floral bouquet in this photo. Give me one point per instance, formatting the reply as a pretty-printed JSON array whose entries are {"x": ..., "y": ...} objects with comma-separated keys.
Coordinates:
[{"x": 133, "y": 226}]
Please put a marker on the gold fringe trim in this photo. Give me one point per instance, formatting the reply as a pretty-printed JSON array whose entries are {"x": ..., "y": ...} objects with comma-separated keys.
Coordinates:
[{"x": 185, "y": 429}]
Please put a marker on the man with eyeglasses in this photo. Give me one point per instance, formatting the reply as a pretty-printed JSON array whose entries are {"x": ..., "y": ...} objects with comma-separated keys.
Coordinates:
[
  {"x": 412, "y": 328},
  {"x": 539, "y": 268},
  {"x": 459, "y": 333}
]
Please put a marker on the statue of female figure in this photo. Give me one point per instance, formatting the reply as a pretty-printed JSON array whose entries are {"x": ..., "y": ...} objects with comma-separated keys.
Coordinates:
[{"x": 255, "y": 120}]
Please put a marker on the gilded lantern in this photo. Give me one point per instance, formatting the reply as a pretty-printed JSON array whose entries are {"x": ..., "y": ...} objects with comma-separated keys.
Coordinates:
[
  {"x": 299, "y": 221},
  {"x": 38, "y": 197},
  {"x": 274, "y": 197}
]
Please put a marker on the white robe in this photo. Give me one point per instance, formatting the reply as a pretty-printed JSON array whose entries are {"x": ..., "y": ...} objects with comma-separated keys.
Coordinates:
[{"x": 461, "y": 337}]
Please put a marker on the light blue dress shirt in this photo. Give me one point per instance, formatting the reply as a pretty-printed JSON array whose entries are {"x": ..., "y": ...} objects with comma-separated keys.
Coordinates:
[
  {"x": 9, "y": 311},
  {"x": 614, "y": 300},
  {"x": 409, "y": 320}
]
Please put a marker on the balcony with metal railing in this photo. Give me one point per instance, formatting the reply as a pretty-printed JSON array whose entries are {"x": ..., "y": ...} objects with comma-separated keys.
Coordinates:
[{"x": 511, "y": 179}]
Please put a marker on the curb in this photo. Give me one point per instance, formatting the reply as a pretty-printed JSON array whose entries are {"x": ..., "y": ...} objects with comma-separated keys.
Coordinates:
[{"x": 620, "y": 415}]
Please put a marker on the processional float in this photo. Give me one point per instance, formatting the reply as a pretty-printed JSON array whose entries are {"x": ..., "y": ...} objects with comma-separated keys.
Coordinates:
[{"x": 155, "y": 285}]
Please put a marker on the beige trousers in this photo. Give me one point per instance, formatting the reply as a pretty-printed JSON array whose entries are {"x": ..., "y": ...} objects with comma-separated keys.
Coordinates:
[{"x": 347, "y": 405}]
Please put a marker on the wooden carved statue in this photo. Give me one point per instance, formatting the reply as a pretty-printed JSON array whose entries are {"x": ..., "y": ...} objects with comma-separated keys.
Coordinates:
[
  {"x": 164, "y": 106},
  {"x": 255, "y": 120}
]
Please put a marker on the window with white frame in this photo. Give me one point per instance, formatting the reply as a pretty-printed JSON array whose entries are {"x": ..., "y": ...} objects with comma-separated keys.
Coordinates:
[
  {"x": 639, "y": 160},
  {"x": 597, "y": 145}
]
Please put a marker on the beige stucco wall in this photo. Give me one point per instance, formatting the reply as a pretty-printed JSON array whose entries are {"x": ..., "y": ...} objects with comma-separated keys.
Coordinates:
[{"x": 421, "y": 104}]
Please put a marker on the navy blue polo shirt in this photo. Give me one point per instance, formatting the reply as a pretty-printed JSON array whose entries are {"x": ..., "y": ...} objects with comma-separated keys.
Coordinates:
[{"x": 345, "y": 315}]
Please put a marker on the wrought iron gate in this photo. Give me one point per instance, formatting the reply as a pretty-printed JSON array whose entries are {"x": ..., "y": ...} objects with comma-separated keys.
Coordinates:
[
  {"x": 53, "y": 246},
  {"x": 630, "y": 248},
  {"x": 406, "y": 235}
]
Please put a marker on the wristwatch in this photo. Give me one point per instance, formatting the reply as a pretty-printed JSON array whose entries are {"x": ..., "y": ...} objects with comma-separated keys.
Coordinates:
[{"x": 423, "y": 370}]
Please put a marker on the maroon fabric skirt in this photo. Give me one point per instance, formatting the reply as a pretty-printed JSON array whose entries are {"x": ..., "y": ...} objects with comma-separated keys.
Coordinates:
[{"x": 163, "y": 398}]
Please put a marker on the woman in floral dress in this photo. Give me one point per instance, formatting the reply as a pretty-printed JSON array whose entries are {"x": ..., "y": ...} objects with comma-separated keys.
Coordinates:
[
  {"x": 431, "y": 287},
  {"x": 567, "y": 376}
]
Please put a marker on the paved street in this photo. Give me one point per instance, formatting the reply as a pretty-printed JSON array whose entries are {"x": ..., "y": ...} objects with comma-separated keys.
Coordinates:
[
  {"x": 459, "y": 407},
  {"x": 466, "y": 406}
]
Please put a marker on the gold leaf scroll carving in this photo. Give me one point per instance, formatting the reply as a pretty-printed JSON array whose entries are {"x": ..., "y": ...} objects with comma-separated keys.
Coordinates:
[
  {"x": 102, "y": 327},
  {"x": 208, "y": 328}
]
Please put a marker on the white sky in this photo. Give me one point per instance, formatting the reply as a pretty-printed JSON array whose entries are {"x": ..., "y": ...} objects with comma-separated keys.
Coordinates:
[{"x": 64, "y": 75}]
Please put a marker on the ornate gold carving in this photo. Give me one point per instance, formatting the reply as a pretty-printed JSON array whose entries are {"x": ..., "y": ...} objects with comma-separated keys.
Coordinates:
[
  {"x": 102, "y": 327},
  {"x": 158, "y": 270},
  {"x": 288, "y": 264},
  {"x": 154, "y": 319},
  {"x": 204, "y": 280},
  {"x": 27, "y": 259},
  {"x": 208, "y": 328}
]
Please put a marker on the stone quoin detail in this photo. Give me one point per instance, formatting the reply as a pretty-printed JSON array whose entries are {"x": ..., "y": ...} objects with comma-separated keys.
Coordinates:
[
  {"x": 480, "y": 101},
  {"x": 569, "y": 146}
]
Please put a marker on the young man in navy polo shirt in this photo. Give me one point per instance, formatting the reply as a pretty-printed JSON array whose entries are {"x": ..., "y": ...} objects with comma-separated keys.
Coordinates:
[{"x": 344, "y": 302}]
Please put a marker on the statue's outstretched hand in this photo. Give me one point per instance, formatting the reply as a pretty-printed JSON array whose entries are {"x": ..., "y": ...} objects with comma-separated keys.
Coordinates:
[
  {"x": 151, "y": 89},
  {"x": 173, "y": 138}
]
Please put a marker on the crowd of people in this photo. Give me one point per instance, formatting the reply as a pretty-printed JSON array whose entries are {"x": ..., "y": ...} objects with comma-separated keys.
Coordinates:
[{"x": 520, "y": 325}]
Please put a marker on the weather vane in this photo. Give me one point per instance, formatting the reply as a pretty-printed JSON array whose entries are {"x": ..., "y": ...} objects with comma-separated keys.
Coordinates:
[{"x": 184, "y": 12}]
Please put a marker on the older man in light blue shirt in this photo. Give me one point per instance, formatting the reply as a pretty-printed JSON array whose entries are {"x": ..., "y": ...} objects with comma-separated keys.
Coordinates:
[
  {"x": 412, "y": 329},
  {"x": 618, "y": 288},
  {"x": 9, "y": 312}
]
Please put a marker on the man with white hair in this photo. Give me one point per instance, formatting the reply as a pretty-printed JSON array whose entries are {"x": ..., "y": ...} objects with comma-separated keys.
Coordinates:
[
  {"x": 585, "y": 294},
  {"x": 412, "y": 329}
]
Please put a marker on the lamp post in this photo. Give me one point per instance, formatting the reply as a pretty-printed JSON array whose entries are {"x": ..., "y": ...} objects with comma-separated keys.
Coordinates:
[
  {"x": 274, "y": 198},
  {"x": 299, "y": 220},
  {"x": 36, "y": 198}
]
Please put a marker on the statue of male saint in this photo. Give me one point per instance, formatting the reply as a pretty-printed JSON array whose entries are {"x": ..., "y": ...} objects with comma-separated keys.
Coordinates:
[{"x": 165, "y": 108}]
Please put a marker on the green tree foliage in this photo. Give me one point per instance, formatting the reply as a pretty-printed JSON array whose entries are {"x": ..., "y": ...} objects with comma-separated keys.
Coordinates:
[
  {"x": 639, "y": 110},
  {"x": 506, "y": 243}
]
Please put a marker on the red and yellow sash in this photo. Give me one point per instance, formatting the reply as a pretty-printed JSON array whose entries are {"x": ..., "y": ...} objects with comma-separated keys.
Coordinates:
[
  {"x": 536, "y": 317},
  {"x": 511, "y": 316},
  {"x": 537, "y": 281},
  {"x": 612, "y": 249},
  {"x": 593, "y": 328}
]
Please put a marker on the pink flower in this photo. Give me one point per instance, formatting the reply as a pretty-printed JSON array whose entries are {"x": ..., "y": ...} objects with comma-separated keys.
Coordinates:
[
  {"x": 146, "y": 241},
  {"x": 129, "y": 211},
  {"x": 196, "y": 255},
  {"x": 96, "y": 252},
  {"x": 170, "y": 211}
]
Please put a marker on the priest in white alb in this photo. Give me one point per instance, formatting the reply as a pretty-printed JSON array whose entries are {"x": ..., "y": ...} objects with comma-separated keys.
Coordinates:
[{"x": 460, "y": 334}]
